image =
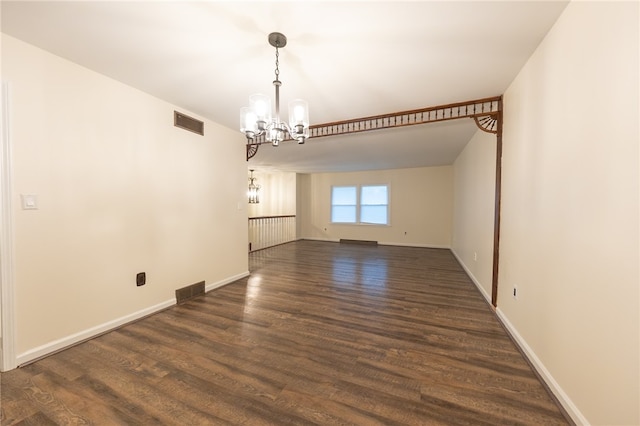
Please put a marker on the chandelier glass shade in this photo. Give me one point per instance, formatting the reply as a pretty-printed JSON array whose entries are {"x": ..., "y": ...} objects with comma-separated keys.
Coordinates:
[{"x": 257, "y": 119}]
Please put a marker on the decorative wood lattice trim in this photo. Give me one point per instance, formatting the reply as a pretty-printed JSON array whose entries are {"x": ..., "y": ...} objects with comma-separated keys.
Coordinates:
[
  {"x": 252, "y": 149},
  {"x": 485, "y": 112}
]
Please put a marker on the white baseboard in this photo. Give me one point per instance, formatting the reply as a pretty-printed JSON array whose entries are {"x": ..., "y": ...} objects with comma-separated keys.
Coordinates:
[
  {"x": 218, "y": 284},
  {"x": 383, "y": 243},
  {"x": 65, "y": 342},
  {"x": 434, "y": 246},
  {"x": 546, "y": 376},
  {"x": 329, "y": 240},
  {"x": 559, "y": 393},
  {"x": 484, "y": 293}
]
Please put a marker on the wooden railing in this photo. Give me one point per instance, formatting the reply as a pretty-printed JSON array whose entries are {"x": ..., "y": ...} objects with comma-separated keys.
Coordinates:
[
  {"x": 485, "y": 112},
  {"x": 269, "y": 231}
]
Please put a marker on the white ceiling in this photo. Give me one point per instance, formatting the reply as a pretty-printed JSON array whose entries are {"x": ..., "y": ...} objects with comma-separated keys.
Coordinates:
[{"x": 347, "y": 59}]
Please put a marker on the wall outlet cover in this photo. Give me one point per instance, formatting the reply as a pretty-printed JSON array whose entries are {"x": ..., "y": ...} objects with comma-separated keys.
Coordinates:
[
  {"x": 29, "y": 201},
  {"x": 141, "y": 279}
]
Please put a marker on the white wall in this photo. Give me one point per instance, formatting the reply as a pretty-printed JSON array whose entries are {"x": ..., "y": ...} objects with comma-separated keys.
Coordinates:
[
  {"x": 569, "y": 238},
  {"x": 277, "y": 193},
  {"x": 473, "y": 213},
  {"x": 120, "y": 191},
  {"x": 421, "y": 206}
]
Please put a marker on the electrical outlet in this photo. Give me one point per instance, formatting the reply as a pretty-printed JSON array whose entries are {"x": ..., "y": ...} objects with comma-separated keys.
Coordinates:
[
  {"x": 515, "y": 292},
  {"x": 29, "y": 201},
  {"x": 475, "y": 256},
  {"x": 141, "y": 279}
]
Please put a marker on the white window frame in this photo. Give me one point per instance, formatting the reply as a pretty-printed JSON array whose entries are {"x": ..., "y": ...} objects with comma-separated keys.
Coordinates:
[{"x": 358, "y": 221}]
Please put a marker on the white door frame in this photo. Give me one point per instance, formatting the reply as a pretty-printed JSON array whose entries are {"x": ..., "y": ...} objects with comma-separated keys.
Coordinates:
[{"x": 7, "y": 279}]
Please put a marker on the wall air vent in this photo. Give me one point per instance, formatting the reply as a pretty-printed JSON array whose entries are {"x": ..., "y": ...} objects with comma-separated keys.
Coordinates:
[
  {"x": 188, "y": 123},
  {"x": 189, "y": 292},
  {"x": 363, "y": 242}
]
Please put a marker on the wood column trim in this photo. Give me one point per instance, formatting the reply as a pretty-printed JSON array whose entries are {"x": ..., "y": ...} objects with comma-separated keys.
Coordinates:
[{"x": 496, "y": 213}]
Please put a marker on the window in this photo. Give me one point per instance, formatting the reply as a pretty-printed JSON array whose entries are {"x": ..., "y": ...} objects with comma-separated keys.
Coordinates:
[
  {"x": 366, "y": 204},
  {"x": 373, "y": 204},
  {"x": 343, "y": 204}
]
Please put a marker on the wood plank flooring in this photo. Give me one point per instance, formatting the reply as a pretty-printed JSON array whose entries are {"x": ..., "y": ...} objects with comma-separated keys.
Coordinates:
[{"x": 320, "y": 333}]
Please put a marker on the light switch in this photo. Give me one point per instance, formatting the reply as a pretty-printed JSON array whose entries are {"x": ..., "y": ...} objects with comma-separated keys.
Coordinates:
[{"x": 29, "y": 201}]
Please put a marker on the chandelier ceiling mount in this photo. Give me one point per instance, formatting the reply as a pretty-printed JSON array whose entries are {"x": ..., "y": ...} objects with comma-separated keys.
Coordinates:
[{"x": 277, "y": 40}]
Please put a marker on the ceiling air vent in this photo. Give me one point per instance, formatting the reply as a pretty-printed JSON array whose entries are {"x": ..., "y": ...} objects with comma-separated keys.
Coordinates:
[{"x": 188, "y": 123}]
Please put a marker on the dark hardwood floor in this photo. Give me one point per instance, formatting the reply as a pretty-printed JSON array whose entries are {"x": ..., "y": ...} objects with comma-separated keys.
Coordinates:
[{"x": 320, "y": 333}]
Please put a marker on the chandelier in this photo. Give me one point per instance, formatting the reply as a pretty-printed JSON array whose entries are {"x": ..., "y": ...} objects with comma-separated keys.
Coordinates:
[
  {"x": 256, "y": 119},
  {"x": 252, "y": 193}
]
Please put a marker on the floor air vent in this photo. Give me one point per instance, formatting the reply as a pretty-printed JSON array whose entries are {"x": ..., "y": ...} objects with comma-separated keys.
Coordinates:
[
  {"x": 188, "y": 123},
  {"x": 189, "y": 292},
  {"x": 363, "y": 242}
]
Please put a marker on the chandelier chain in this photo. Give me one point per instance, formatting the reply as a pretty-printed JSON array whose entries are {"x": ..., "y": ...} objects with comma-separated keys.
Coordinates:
[{"x": 277, "y": 64}]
